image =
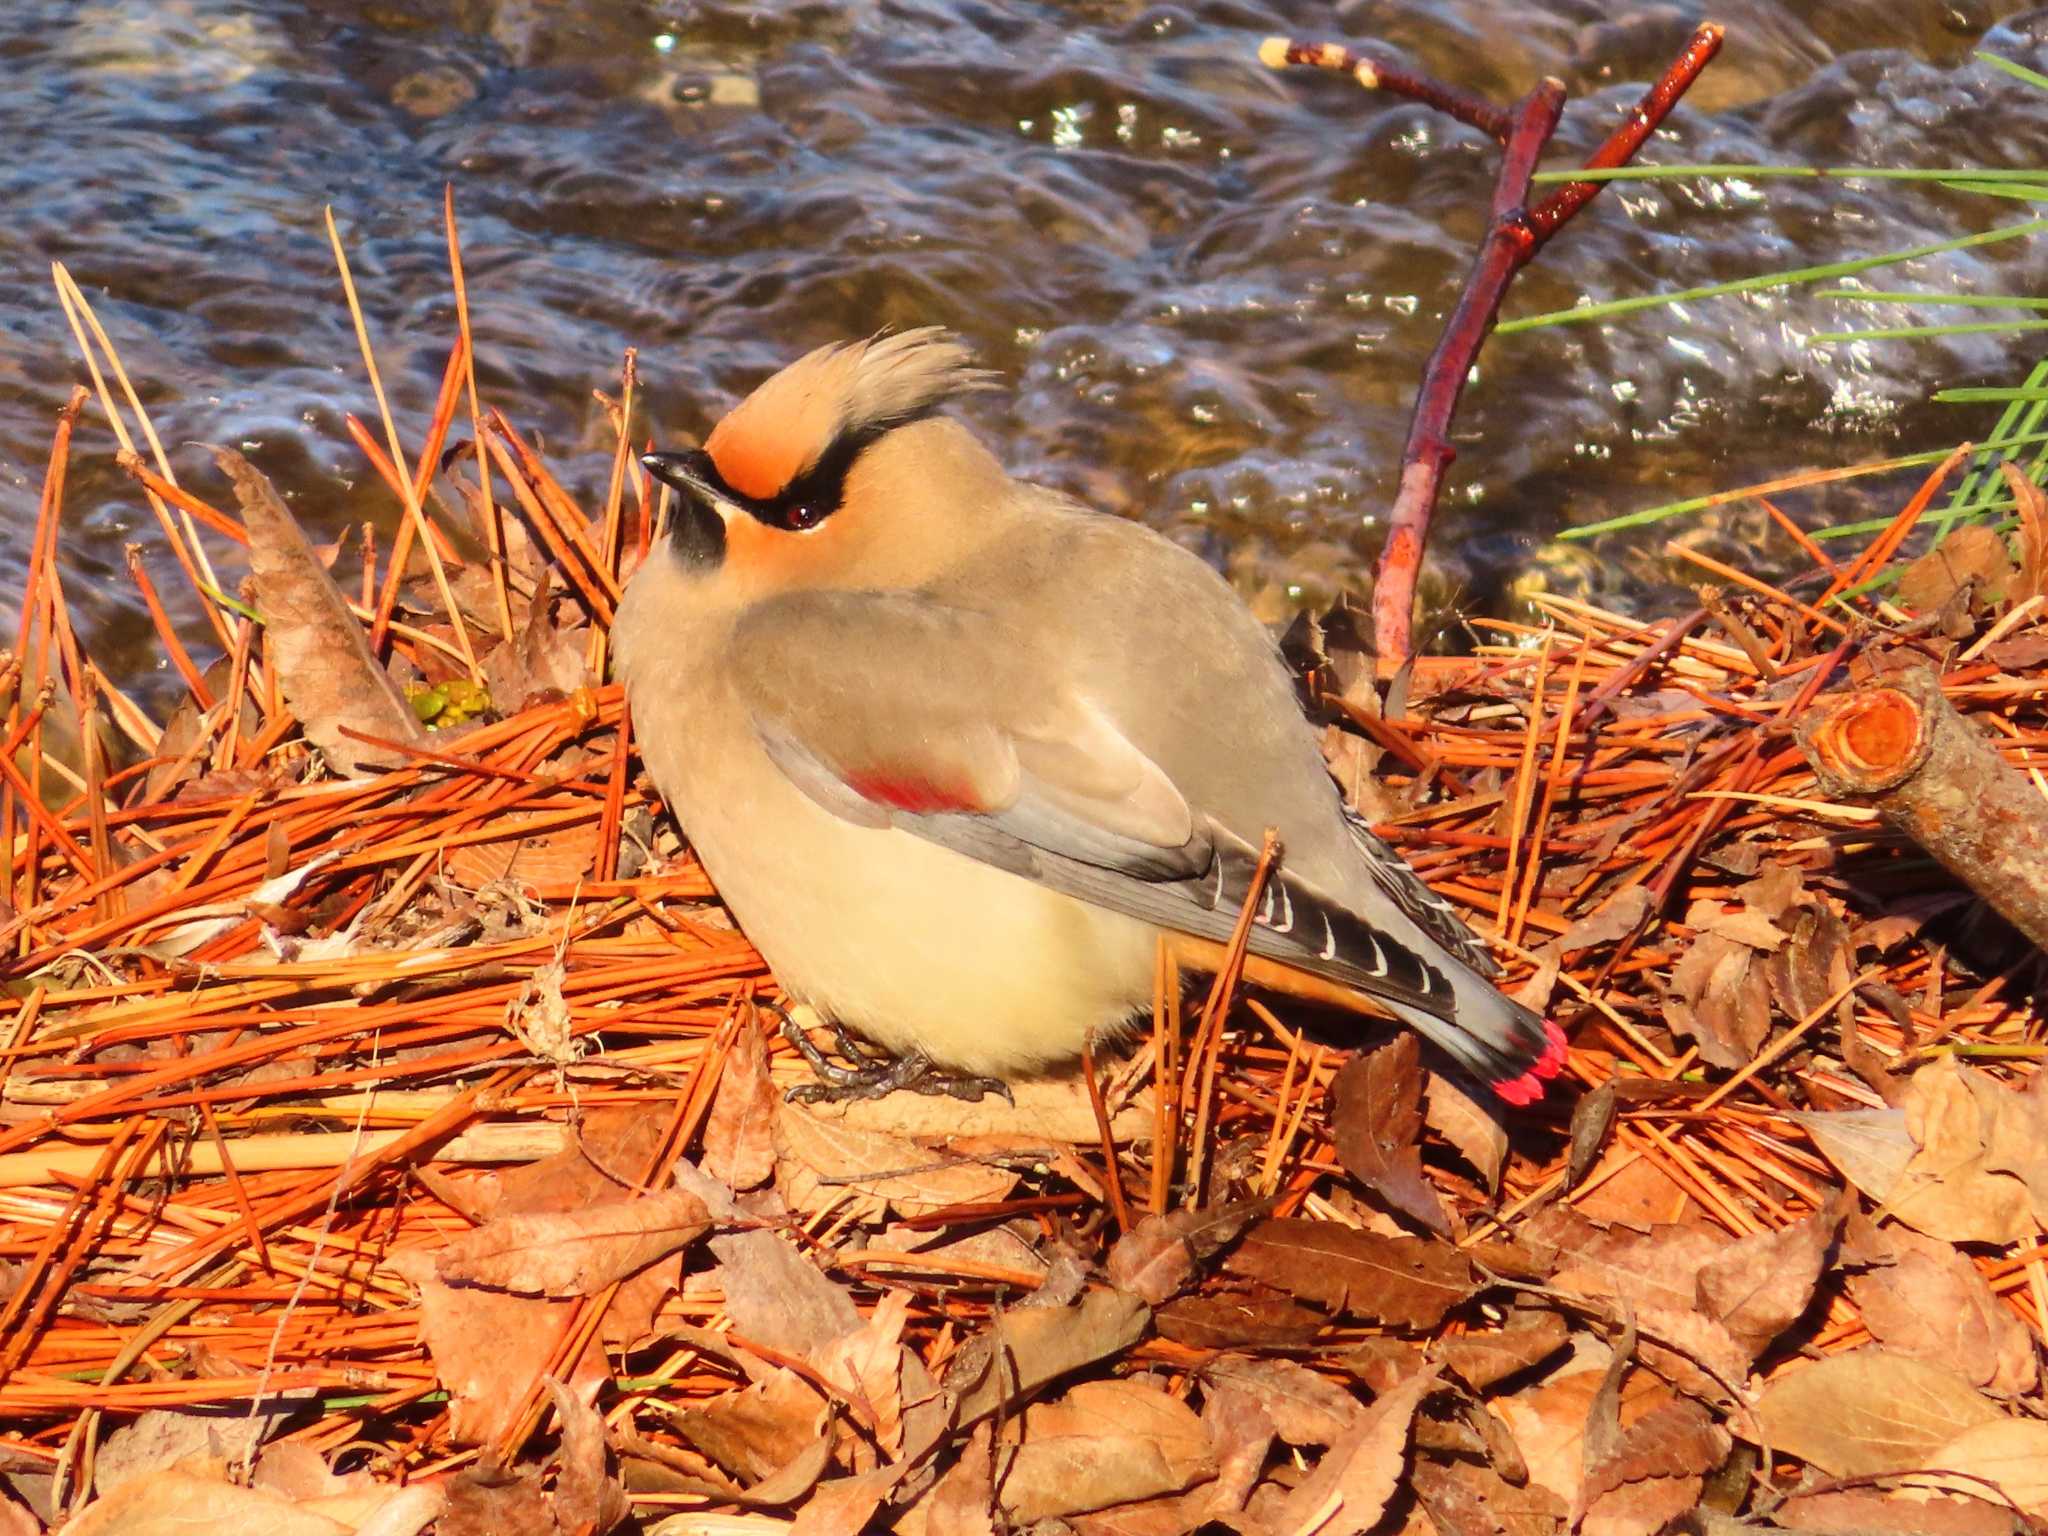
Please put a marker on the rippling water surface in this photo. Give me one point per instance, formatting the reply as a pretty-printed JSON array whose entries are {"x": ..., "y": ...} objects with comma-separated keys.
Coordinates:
[{"x": 1211, "y": 287}]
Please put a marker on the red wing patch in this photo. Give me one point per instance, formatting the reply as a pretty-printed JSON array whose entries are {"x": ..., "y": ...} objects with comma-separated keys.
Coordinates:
[{"x": 909, "y": 792}]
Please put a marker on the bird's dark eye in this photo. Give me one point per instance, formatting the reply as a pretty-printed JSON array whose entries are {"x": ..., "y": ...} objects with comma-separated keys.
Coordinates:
[{"x": 804, "y": 514}]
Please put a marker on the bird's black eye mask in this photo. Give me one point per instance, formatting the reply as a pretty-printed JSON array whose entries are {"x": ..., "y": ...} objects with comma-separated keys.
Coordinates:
[{"x": 697, "y": 532}]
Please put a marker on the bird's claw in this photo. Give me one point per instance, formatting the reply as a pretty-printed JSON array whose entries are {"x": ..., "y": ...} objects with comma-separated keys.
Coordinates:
[{"x": 876, "y": 1077}]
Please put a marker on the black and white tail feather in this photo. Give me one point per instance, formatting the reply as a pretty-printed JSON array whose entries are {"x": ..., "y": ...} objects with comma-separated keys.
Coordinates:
[{"x": 1436, "y": 981}]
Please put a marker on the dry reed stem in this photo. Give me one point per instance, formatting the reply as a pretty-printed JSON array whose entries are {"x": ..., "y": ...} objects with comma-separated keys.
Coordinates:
[{"x": 416, "y": 517}]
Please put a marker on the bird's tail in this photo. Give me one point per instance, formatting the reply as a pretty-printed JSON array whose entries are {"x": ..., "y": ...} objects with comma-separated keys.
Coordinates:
[{"x": 1510, "y": 1048}]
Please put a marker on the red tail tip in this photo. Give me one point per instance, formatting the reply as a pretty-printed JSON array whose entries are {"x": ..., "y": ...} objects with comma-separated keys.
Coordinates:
[{"x": 1528, "y": 1088}]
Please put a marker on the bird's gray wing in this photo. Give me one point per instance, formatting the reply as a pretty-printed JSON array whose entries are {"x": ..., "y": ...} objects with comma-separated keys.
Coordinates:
[
  {"x": 890, "y": 709},
  {"x": 1429, "y": 911}
]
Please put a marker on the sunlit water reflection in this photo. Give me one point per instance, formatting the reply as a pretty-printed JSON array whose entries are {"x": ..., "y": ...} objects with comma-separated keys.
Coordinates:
[{"x": 1211, "y": 288}]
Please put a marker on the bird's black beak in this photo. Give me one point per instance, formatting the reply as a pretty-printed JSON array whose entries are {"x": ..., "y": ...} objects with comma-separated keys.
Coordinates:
[
  {"x": 696, "y": 530},
  {"x": 692, "y": 473}
]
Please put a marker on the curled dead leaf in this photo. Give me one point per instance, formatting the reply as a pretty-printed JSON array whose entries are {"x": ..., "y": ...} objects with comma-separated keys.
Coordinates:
[
  {"x": 1026, "y": 1348},
  {"x": 331, "y": 681},
  {"x": 1157, "y": 1257},
  {"x": 1933, "y": 1303},
  {"x": 739, "y": 1132},
  {"x": 573, "y": 1253},
  {"x": 1305, "y": 1408}
]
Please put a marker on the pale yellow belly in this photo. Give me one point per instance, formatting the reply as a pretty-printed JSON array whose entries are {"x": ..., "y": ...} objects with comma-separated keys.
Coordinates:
[{"x": 905, "y": 941}]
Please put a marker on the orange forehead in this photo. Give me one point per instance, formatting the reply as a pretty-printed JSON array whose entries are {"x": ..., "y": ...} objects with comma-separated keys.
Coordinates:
[
  {"x": 752, "y": 457},
  {"x": 768, "y": 438}
]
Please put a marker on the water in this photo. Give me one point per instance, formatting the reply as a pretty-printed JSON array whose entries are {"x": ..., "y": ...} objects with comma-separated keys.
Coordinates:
[{"x": 1210, "y": 288}]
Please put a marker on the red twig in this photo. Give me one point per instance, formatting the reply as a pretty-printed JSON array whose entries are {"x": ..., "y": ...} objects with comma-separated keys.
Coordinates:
[
  {"x": 1377, "y": 74},
  {"x": 1548, "y": 216},
  {"x": 1516, "y": 234}
]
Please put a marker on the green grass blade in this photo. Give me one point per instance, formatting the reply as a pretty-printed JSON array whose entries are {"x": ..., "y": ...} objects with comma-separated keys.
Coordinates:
[
  {"x": 2017, "y": 71},
  {"x": 1764, "y": 281},
  {"x": 1791, "y": 482},
  {"x": 1969, "y": 300},
  {"x": 2031, "y": 191},
  {"x": 1913, "y": 332},
  {"x": 1712, "y": 171}
]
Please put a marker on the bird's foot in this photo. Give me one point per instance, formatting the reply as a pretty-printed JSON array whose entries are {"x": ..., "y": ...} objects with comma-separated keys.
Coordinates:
[{"x": 874, "y": 1077}]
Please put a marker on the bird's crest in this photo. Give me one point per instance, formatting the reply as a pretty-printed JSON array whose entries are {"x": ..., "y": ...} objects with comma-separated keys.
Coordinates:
[{"x": 839, "y": 396}]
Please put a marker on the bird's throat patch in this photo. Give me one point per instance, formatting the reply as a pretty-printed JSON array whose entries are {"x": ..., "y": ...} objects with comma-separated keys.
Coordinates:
[{"x": 696, "y": 533}]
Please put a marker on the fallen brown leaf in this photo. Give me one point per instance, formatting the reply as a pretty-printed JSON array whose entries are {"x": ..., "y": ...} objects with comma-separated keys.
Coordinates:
[
  {"x": 163, "y": 1437},
  {"x": 1105, "y": 1442},
  {"x": 545, "y": 658},
  {"x": 1759, "y": 1286},
  {"x": 777, "y": 1297},
  {"x": 300, "y": 1473},
  {"x": 845, "y": 1506},
  {"x": 573, "y": 1253},
  {"x": 822, "y": 1162},
  {"x": 1972, "y": 556},
  {"x": 1244, "y": 1318},
  {"x": 1157, "y": 1257},
  {"x": 175, "y": 1502},
  {"x": 1241, "y": 1437},
  {"x": 739, "y": 1132},
  {"x": 1348, "y": 1491},
  {"x": 1463, "y": 1499},
  {"x": 1381, "y": 1363},
  {"x": 1722, "y": 999},
  {"x": 961, "y": 1503},
  {"x": 2009, "y": 1454},
  {"x": 1655, "y": 1275},
  {"x": 1969, "y": 1131},
  {"x": 1868, "y": 1411},
  {"x": 2032, "y": 509},
  {"x": 866, "y": 1366},
  {"x": 1551, "y": 1419},
  {"x": 757, "y": 1430},
  {"x": 1816, "y": 962},
  {"x": 1304, "y": 1407},
  {"x": 1482, "y": 1360},
  {"x": 1616, "y": 918},
  {"x": 1026, "y": 1348},
  {"x": 1641, "y": 1508},
  {"x": 1857, "y": 1513},
  {"x": 490, "y": 1347},
  {"x": 496, "y": 1501},
  {"x": 1404, "y": 1282},
  {"x": 1673, "y": 1446},
  {"x": 1376, "y": 1120},
  {"x": 1468, "y": 1124},
  {"x": 588, "y": 1500},
  {"x": 322, "y": 654},
  {"x": 1870, "y": 1147},
  {"x": 1006, "y": 1247},
  {"x": 1933, "y": 1303}
]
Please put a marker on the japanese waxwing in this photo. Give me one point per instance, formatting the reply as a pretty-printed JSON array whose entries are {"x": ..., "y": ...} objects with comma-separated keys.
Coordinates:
[{"x": 955, "y": 749}]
